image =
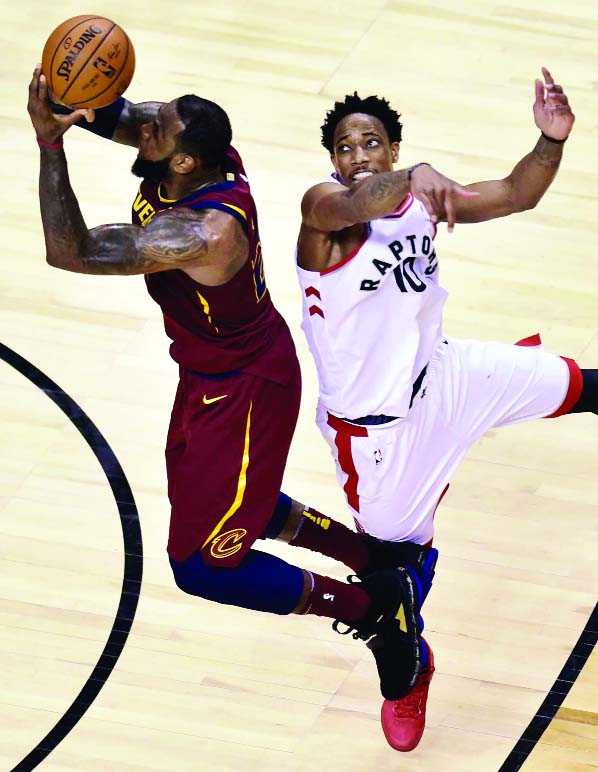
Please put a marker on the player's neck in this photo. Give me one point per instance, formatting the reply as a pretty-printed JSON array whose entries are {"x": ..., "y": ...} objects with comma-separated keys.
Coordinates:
[{"x": 176, "y": 189}]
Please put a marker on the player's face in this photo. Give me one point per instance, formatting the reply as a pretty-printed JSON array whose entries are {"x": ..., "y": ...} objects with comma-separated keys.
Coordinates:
[
  {"x": 157, "y": 144},
  {"x": 362, "y": 148}
]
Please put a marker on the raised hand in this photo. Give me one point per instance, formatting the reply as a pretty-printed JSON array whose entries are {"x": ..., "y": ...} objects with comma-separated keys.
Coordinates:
[
  {"x": 48, "y": 126},
  {"x": 552, "y": 112},
  {"x": 438, "y": 194}
]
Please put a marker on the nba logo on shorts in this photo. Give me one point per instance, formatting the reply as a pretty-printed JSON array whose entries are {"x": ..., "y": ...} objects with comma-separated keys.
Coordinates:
[{"x": 378, "y": 456}]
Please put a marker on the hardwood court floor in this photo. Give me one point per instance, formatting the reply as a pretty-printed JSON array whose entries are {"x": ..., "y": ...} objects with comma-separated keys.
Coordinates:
[{"x": 203, "y": 687}]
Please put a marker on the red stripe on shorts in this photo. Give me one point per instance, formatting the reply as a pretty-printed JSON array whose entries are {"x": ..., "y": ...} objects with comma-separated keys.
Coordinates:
[
  {"x": 533, "y": 340},
  {"x": 442, "y": 495},
  {"x": 344, "y": 432},
  {"x": 574, "y": 390}
]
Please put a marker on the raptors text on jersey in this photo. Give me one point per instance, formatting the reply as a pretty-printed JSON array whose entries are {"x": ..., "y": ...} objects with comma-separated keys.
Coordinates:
[{"x": 373, "y": 320}]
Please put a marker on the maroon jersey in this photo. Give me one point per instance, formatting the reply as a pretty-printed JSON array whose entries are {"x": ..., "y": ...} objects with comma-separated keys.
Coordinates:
[{"x": 228, "y": 327}]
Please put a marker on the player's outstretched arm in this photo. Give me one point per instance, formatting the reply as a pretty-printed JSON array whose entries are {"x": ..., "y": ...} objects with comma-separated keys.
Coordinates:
[
  {"x": 120, "y": 121},
  {"x": 532, "y": 176},
  {"x": 329, "y": 207}
]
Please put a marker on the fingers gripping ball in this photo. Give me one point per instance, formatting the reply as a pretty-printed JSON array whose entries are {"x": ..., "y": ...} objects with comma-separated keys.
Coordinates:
[{"x": 88, "y": 61}]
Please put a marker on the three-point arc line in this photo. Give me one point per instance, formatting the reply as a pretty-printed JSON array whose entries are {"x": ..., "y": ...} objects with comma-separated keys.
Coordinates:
[{"x": 133, "y": 555}]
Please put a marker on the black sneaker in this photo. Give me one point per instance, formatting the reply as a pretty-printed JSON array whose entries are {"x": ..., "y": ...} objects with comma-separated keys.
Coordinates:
[{"x": 391, "y": 625}]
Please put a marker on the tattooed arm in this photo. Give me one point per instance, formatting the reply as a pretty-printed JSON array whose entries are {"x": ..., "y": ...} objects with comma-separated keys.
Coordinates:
[
  {"x": 329, "y": 207},
  {"x": 521, "y": 190},
  {"x": 209, "y": 241},
  {"x": 333, "y": 214},
  {"x": 176, "y": 238}
]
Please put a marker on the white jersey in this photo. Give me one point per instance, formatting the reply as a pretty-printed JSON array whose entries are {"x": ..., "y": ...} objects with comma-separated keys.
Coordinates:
[{"x": 373, "y": 320}]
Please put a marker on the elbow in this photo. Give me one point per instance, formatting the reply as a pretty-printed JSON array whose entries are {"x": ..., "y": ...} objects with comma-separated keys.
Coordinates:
[
  {"x": 67, "y": 256},
  {"x": 52, "y": 260},
  {"x": 521, "y": 198},
  {"x": 527, "y": 204},
  {"x": 57, "y": 260},
  {"x": 62, "y": 261}
]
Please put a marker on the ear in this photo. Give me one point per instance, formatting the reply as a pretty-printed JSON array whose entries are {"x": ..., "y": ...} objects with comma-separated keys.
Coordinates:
[
  {"x": 334, "y": 163},
  {"x": 394, "y": 149},
  {"x": 182, "y": 163}
]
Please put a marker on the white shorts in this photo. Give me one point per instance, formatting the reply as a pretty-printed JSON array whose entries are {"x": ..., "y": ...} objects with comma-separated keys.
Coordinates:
[{"x": 395, "y": 474}]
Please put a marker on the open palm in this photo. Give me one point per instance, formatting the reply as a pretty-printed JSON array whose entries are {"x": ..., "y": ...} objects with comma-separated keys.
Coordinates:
[{"x": 552, "y": 112}]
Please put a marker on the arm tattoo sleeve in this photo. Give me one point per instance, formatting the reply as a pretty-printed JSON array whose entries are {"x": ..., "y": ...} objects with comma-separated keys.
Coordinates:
[
  {"x": 548, "y": 154},
  {"x": 532, "y": 176},
  {"x": 173, "y": 239},
  {"x": 379, "y": 194},
  {"x": 65, "y": 231}
]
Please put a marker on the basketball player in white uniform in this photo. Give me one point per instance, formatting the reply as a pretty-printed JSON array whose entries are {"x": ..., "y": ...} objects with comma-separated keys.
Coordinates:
[{"x": 401, "y": 403}]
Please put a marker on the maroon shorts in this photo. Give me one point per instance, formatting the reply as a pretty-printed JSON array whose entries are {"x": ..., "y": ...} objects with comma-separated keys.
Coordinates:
[{"x": 226, "y": 451}]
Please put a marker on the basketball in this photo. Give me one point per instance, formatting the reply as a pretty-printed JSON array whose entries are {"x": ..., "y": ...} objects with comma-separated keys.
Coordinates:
[{"x": 88, "y": 61}]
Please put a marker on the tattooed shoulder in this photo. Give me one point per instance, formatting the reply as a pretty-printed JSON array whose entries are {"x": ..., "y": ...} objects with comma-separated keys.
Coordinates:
[{"x": 175, "y": 237}]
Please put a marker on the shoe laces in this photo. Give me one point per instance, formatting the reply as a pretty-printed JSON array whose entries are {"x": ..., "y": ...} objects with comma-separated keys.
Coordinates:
[
  {"x": 336, "y": 626},
  {"x": 410, "y": 705},
  {"x": 348, "y": 628},
  {"x": 357, "y": 634}
]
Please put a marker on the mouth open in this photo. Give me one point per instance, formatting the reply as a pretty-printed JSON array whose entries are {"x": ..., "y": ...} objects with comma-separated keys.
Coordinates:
[{"x": 362, "y": 174}]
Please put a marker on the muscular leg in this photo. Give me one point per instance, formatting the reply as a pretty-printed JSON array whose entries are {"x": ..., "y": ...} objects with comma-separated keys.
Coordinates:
[
  {"x": 383, "y": 609},
  {"x": 264, "y": 582}
]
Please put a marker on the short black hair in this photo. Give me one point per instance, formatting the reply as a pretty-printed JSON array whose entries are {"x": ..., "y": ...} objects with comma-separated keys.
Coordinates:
[
  {"x": 207, "y": 134},
  {"x": 372, "y": 105}
]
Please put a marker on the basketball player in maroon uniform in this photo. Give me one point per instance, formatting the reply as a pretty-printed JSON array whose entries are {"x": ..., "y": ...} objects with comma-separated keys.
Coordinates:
[{"x": 195, "y": 238}]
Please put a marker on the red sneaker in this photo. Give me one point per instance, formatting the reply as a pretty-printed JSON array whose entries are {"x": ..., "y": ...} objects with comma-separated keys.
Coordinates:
[{"x": 403, "y": 721}]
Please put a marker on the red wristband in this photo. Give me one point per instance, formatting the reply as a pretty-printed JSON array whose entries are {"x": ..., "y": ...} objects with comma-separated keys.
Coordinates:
[{"x": 50, "y": 145}]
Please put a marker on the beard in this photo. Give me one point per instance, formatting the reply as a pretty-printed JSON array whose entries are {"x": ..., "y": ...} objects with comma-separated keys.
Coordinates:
[{"x": 154, "y": 171}]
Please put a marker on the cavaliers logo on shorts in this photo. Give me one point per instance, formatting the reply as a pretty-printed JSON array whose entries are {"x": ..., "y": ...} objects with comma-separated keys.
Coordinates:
[{"x": 226, "y": 544}]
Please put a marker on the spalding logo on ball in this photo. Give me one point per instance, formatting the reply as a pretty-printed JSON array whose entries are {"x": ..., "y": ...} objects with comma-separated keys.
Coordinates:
[{"x": 88, "y": 61}]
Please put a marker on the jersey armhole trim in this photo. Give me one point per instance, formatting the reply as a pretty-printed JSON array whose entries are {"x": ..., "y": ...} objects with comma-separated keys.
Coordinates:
[
  {"x": 402, "y": 208},
  {"x": 231, "y": 209}
]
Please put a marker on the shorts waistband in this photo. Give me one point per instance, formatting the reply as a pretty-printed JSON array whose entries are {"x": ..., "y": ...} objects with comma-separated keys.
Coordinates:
[
  {"x": 371, "y": 420},
  {"x": 215, "y": 376},
  {"x": 378, "y": 420}
]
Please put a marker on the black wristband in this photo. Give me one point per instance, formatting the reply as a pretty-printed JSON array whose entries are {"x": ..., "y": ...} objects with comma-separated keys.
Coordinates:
[
  {"x": 553, "y": 140},
  {"x": 106, "y": 119},
  {"x": 411, "y": 169}
]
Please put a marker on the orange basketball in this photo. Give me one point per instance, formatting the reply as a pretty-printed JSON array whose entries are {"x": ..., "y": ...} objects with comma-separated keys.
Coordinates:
[{"x": 88, "y": 61}]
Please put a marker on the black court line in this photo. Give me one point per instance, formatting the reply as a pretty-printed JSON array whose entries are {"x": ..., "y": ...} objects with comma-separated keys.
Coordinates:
[
  {"x": 133, "y": 553},
  {"x": 556, "y": 696}
]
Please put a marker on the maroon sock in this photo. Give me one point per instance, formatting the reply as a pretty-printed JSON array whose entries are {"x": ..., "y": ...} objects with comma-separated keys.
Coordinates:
[
  {"x": 319, "y": 533},
  {"x": 337, "y": 600}
]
